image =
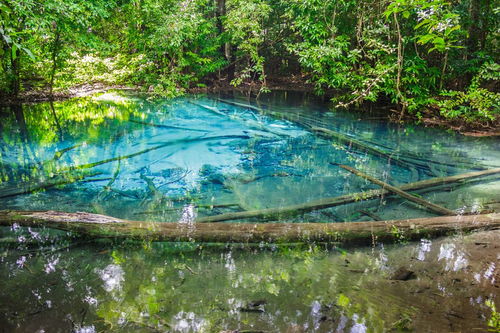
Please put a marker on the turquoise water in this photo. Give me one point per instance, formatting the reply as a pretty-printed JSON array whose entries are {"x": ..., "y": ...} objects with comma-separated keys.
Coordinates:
[
  {"x": 179, "y": 160},
  {"x": 175, "y": 160}
]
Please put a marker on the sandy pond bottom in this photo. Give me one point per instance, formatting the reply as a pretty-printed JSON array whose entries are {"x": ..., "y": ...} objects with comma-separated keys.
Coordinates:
[{"x": 443, "y": 285}]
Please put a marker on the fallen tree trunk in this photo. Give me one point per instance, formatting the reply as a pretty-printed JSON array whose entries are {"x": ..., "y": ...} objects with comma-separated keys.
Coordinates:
[
  {"x": 429, "y": 205},
  {"x": 159, "y": 146},
  {"x": 310, "y": 206},
  {"x": 360, "y": 233},
  {"x": 351, "y": 142}
]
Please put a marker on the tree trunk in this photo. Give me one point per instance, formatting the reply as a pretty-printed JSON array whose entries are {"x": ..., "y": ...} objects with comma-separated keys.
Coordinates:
[
  {"x": 352, "y": 233},
  {"x": 14, "y": 79},
  {"x": 474, "y": 26},
  {"x": 55, "y": 51}
]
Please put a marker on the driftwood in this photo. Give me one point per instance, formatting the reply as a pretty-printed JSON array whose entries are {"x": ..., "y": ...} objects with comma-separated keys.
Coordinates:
[
  {"x": 310, "y": 206},
  {"x": 361, "y": 233},
  {"x": 429, "y": 205}
]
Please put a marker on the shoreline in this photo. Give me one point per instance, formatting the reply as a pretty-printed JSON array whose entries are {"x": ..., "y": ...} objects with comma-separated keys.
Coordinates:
[{"x": 431, "y": 119}]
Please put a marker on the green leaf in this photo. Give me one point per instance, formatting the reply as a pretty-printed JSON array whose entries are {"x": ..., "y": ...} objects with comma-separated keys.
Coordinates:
[
  {"x": 425, "y": 39},
  {"x": 29, "y": 53},
  {"x": 14, "y": 51}
]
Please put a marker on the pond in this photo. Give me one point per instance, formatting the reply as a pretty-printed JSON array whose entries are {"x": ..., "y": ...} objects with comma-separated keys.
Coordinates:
[{"x": 200, "y": 157}]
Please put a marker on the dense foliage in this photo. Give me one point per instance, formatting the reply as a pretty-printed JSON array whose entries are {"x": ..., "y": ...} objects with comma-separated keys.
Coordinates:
[{"x": 418, "y": 54}]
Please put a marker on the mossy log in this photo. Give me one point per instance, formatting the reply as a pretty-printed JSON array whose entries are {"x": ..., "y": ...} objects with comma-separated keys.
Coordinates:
[
  {"x": 359, "y": 233},
  {"x": 293, "y": 210}
]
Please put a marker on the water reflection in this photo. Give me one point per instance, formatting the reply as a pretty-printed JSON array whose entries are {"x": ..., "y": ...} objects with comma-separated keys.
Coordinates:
[
  {"x": 113, "y": 277},
  {"x": 165, "y": 287},
  {"x": 454, "y": 258}
]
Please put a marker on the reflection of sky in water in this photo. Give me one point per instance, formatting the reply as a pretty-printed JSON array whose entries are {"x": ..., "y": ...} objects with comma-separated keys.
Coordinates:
[
  {"x": 113, "y": 277},
  {"x": 453, "y": 257},
  {"x": 188, "y": 214},
  {"x": 358, "y": 327},
  {"x": 423, "y": 249},
  {"x": 85, "y": 329},
  {"x": 188, "y": 322},
  {"x": 50, "y": 266},
  {"x": 488, "y": 275}
]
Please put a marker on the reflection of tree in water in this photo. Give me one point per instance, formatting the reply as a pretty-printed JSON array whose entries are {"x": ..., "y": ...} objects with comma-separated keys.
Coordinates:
[
  {"x": 183, "y": 288},
  {"x": 55, "y": 128}
]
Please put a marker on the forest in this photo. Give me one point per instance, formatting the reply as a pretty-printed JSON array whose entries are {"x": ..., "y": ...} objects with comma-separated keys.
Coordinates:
[{"x": 424, "y": 58}]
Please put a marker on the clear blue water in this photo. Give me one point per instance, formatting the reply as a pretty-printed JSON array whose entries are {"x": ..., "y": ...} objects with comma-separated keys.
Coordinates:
[{"x": 212, "y": 157}]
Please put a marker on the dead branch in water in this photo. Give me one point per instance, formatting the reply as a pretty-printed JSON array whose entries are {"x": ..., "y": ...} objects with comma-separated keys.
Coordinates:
[
  {"x": 429, "y": 205},
  {"x": 287, "y": 211}
]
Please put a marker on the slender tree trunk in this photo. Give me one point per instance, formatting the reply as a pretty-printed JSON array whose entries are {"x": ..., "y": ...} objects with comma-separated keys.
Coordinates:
[
  {"x": 399, "y": 66},
  {"x": 443, "y": 70},
  {"x": 15, "y": 82},
  {"x": 485, "y": 24},
  {"x": 56, "y": 45},
  {"x": 474, "y": 26}
]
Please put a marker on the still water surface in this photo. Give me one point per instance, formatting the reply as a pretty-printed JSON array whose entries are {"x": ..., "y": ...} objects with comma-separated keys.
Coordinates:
[{"x": 180, "y": 159}]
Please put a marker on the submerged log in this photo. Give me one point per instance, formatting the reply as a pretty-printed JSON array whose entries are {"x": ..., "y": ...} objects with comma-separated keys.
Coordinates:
[
  {"x": 429, "y": 205},
  {"x": 403, "y": 159},
  {"x": 293, "y": 210},
  {"x": 351, "y": 142},
  {"x": 360, "y": 233},
  {"x": 24, "y": 187},
  {"x": 167, "y": 126}
]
